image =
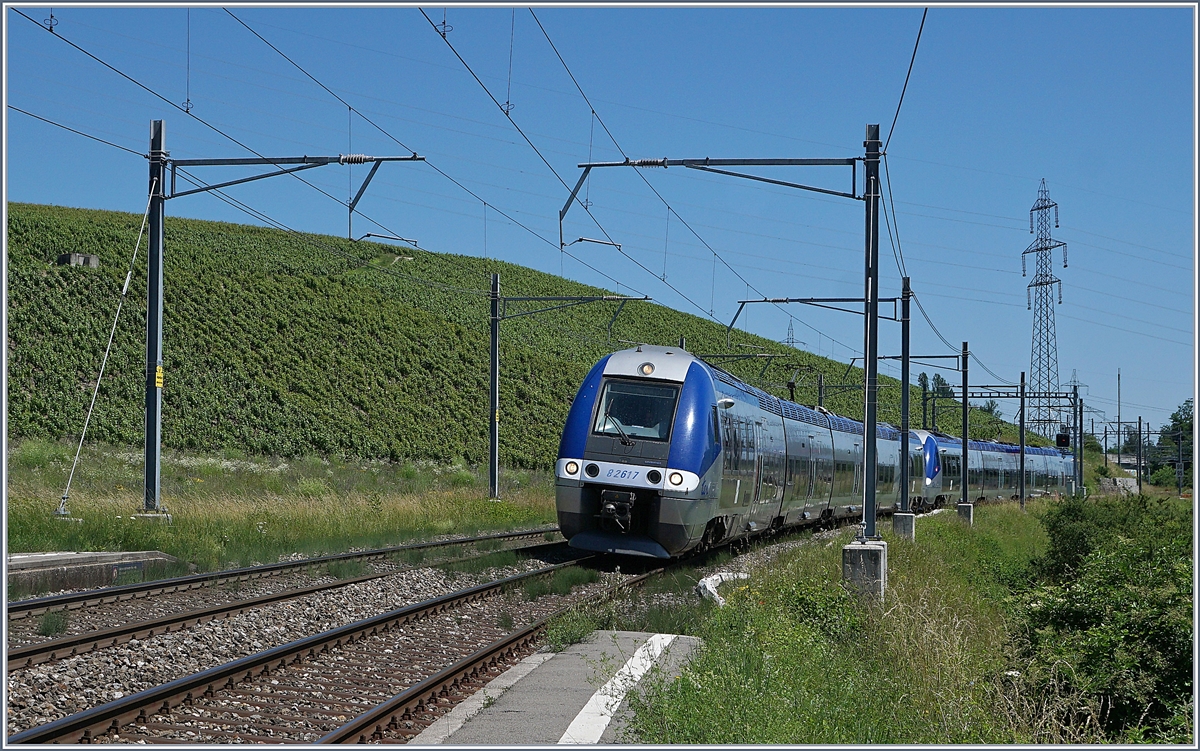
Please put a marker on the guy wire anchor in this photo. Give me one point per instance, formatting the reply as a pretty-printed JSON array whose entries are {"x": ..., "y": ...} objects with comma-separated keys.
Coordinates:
[
  {"x": 61, "y": 513},
  {"x": 861, "y": 536}
]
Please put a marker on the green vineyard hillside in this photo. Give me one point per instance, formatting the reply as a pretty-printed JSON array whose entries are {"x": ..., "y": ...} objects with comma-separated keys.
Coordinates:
[{"x": 286, "y": 344}]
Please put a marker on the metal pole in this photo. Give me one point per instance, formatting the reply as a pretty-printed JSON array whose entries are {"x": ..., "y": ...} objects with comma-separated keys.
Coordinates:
[
  {"x": 1139, "y": 455},
  {"x": 904, "y": 374},
  {"x": 1080, "y": 470},
  {"x": 1179, "y": 465},
  {"x": 933, "y": 411},
  {"x": 154, "y": 316},
  {"x": 494, "y": 456},
  {"x": 966, "y": 423},
  {"x": 1106, "y": 446},
  {"x": 1021, "y": 484},
  {"x": 1078, "y": 443},
  {"x": 871, "y": 326},
  {"x": 1119, "y": 427},
  {"x": 820, "y": 389}
]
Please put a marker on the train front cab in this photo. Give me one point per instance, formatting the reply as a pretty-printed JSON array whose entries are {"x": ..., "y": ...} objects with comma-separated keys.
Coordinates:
[{"x": 637, "y": 472}]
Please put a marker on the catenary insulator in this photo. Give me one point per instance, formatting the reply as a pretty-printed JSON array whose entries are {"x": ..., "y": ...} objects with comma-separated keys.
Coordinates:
[{"x": 354, "y": 159}]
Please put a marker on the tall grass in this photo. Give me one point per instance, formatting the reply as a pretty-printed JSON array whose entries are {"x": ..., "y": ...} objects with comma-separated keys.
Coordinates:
[
  {"x": 238, "y": 511},
  {"x": 795, "y": 658}
]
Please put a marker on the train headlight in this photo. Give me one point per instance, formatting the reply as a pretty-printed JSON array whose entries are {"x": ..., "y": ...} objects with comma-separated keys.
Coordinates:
[
  {"x": 646, "y": 368},
  {"x": 572, "y": 468},
  {"x": 592, "y": 470},
  {"x": 675, "y": 478}
]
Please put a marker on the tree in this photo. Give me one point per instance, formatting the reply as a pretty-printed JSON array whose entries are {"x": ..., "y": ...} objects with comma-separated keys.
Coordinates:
[
  {"x": 940, "y": 387},
  {"x": 1166, "y": 454},
  {"x": 991, "y": 407},
  {"x": 923, "y": 381}
]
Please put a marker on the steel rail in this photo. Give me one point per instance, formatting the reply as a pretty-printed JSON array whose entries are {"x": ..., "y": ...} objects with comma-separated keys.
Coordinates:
[
  {"x": 83, "y": 726},
  {"x": 60, "y": 649},
  {"x": 374, "y": 724},
  {"x": 104, "y": 595}
]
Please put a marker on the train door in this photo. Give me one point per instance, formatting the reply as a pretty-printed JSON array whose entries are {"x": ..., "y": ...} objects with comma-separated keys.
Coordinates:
[
  {"x": 775, "y": 471},
  {"x": 757, "y": 431},
  {"x": 800, "y": 458},
  {"x": 734, "y": 454},
  {"x": 821, "y": 453},
  {"x": 767, "y": 482}
]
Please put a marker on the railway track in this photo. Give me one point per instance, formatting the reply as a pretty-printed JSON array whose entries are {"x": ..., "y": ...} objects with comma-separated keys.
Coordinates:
[
  {"x": 28, "y": 655},
  {"x": 381, "y": 679},
  {"x": 165, "y": 601},
  {"x": 21, "y": 609}
]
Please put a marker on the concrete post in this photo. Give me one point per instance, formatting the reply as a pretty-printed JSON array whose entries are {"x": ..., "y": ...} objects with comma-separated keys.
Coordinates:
[{"x": 864, "y": 566}]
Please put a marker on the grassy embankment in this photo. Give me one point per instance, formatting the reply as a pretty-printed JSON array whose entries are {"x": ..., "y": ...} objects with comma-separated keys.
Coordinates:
[
  {"x": 237, "y": 511},
  {"x": 277, "y": 344},
  {"x": 1070, "y": 623}
]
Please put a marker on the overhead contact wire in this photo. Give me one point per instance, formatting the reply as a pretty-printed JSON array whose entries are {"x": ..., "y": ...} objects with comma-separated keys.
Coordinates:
[
  {"x": 404, "y": 146},
  {"x": 660, "y": 197},
  {"x": 537, "y": 151},
  {"x": 78, "y": 132},
  {"x": 197, "y": 118}
]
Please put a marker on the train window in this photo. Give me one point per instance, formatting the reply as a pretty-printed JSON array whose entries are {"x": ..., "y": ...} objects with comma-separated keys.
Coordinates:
[
  {"x": 637, "y": 410},
  {"x": 716, "y": 425}
]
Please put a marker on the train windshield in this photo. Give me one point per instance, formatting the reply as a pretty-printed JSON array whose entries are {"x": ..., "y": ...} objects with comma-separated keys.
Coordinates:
[{"x": 637, "y": 410}]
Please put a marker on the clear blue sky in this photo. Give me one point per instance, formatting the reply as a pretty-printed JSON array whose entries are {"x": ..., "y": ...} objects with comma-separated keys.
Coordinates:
[{"x": 1098, "y": 101}]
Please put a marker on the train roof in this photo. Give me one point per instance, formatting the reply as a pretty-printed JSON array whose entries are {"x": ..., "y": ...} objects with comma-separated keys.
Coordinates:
[
  {"x": 672, "y": 363},
  {"x": 955, "y": 442},
  {"x": 799, "y": 412}
]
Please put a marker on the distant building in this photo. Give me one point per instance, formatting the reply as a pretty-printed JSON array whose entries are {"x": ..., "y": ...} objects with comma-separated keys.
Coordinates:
[{"x": 79, "y": 259}]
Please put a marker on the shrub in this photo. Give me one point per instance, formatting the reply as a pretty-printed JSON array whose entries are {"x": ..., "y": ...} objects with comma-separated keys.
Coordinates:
[
  {"x": 1115, "y": 608},
  {"x": 53, "y": 623}
]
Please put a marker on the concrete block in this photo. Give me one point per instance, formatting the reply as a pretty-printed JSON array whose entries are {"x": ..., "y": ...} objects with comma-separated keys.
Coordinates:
[
  {"x": 154, "y": 516},
  {"x": 966, "y": 512},
  {"x": 904, "y": 525},
  {"x": 79, "y": 259},
  {"x": 864, "y": 566},
  {"x": 41, "y": 572}
]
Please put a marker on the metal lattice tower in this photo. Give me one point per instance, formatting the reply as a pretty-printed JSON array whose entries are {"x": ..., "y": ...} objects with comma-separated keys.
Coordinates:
[{"x": 1044, "y": 417}]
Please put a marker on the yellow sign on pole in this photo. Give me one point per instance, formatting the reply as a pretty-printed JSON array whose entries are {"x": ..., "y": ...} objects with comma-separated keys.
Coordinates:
[{"x": 158, "y": 377}]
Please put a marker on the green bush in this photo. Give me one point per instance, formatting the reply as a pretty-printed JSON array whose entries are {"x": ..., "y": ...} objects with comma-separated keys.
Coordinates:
[
  {"x": 1112, "y": 618},
  {"x": 53, "y": 623},
  {"x": 1164, "y": 477}
]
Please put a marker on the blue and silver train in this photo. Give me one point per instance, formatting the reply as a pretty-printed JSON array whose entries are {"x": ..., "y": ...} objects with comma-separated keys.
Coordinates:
[{"x": 663, "y": 453}]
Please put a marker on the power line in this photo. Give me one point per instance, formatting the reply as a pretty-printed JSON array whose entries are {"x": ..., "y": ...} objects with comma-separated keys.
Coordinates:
[
  {"x": 660, "y": 197},
  {"x": 508, "y": 115},
  {"x": 893, "y": 241},
  {"x": 910, "y": 67},
  {"x": 899, "y": 248},
  {"x": 198, "y": 119},
  {"x": 263, "y": 217},
  {"x": 435, "y": 168},
  {"x": 78, "y": 132}
]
